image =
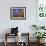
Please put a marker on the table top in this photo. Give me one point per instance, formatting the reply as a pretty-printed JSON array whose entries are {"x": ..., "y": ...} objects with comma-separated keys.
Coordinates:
[{"x": 9, "y": 34}]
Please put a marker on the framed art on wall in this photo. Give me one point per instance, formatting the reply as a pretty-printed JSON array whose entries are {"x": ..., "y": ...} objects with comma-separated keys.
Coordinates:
[
  {"x": 41, "y": 12},
  {"x": 18, "y": 13},
  {"x": 41, "y": 8}
]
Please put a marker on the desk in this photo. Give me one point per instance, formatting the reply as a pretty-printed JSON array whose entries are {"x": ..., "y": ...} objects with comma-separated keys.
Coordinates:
[{"x": 8, "y": 34}]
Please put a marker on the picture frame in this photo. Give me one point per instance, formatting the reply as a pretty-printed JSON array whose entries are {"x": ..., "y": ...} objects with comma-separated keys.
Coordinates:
[
  {"x": 41, "y": 8},
  {"x": 40, "y": 12},
  {"x": 18, "y": 13}
]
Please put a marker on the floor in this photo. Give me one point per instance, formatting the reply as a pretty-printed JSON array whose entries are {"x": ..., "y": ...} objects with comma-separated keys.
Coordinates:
[{"x": 13, "y": 44}]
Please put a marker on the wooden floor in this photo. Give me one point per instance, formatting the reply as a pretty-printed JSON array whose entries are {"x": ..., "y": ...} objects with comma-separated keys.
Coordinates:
[{"x": 13, "y": 44}]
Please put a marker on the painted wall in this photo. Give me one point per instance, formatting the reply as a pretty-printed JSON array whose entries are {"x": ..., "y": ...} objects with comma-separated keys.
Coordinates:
[{"x": 24, "y": 25}]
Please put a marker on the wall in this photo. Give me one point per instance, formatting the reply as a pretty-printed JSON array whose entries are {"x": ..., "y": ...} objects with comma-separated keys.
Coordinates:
[{"x": 24, "y": 25}]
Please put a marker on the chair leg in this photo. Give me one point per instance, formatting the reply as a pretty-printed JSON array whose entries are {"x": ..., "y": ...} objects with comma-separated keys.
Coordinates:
[
  {"x": 5, "y": 40},
  {"x": 5, "y": 43},
  {"x": 17, "y": 39}
]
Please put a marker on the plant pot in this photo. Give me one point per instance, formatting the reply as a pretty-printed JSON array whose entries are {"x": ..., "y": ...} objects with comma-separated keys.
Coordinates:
[
  {"x": 42, "y": 40},
  {"x": 38, "y": 40}
]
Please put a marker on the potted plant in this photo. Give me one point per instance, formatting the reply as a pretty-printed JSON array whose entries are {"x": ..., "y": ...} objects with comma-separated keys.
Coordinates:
[
  {"x": 35, "y": 26},
  {"x": 39, "y": 35},
  {"x": 42, "y": 27},
  {"x": 38, "y": 27}
]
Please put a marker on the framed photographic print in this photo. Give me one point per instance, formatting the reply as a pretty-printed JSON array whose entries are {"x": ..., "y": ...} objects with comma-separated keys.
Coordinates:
[
  {"x": 41, "y": 12},
  {"x": 18, "y": 13},
  {"x": 41, "y": 8}
]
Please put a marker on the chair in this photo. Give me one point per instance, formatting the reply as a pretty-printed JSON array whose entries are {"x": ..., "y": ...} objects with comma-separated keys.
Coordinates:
[
  {"x": 14, "y": 32},
  {"x": 25, "y": 37}
]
